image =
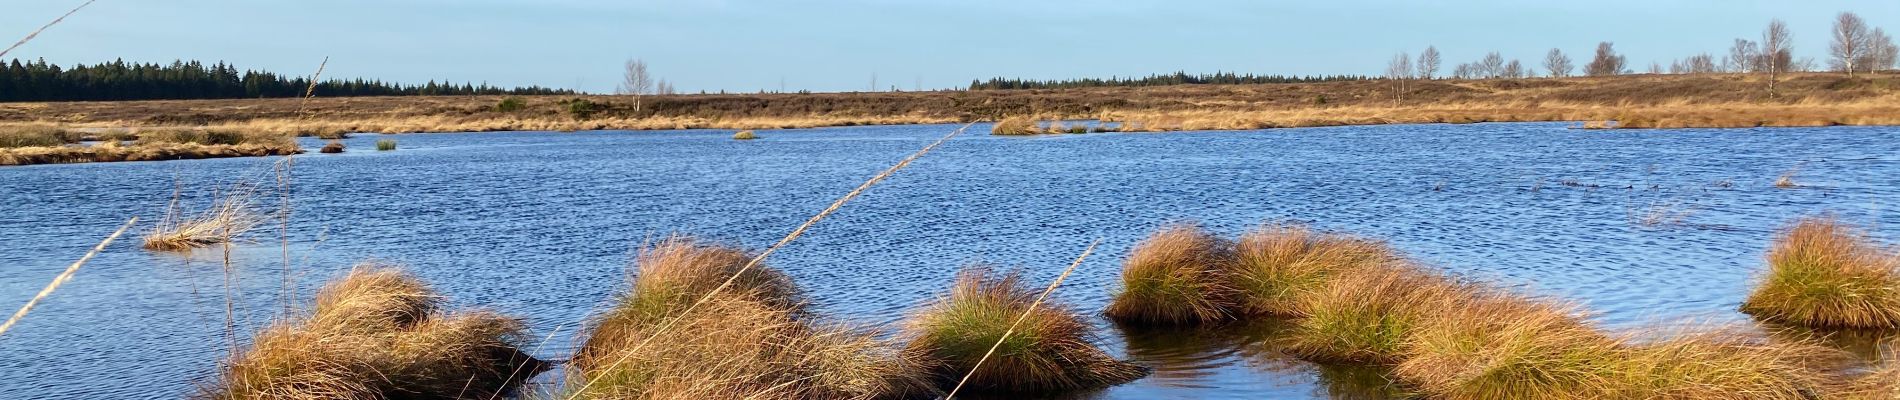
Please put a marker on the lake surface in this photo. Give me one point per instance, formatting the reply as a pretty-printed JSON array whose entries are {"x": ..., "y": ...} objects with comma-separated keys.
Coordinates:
[{"x": 1640, "y": 226}]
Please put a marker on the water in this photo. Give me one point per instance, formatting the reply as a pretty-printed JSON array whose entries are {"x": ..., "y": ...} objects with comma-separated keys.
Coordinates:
[{"x": 542, "y": 225}]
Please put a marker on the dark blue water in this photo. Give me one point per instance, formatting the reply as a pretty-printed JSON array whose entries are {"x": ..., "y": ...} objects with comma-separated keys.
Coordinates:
[{"x": 542, "y": 225}]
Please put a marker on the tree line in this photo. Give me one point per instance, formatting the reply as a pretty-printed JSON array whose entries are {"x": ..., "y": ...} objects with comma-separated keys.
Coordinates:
[
  {"x": 38, "y": 80},
  {"x": 1855, "y": 47},
  {"x": 1177, "y": 78}
]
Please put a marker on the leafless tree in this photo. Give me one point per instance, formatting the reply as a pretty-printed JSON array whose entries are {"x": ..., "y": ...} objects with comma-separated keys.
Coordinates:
[
  {"x": 1700, "y": 64},
  {"x": 1777, "y": 52},
  {"x": 1399, "y": 71},
  {"x": 1883, "y": 53},
  {"x": 636, "y": 82},
  {"x": 1513, "y": 70},
  {"x": 1492, "y": 66},
  {"x": 1463, "y": 71},
  {"x": 1741, "y": 56},
  {"x": 1428, "y": 63},
  {"x": 1850, "y": 44},
  {"x": 1606, "y": 62},
  {"x": 1557, "y": 63},
  {"x": 664, "y": 88}
]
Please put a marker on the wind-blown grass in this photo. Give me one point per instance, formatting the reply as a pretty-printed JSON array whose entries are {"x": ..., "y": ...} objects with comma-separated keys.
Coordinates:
[
  {"x": 1827, "y": 274},
  {"x": 1724, "y": 362},
  {"x": 1050, "y": 351},
  {"x": 752, "y": 340},
  {"x": 1498, "y": 345},
  {"x": 1275, "y": 267},
  {"x": 379, "y": 333},
  {"x": 1178, "y": 275},
  {"x": 231, "y": 214}
]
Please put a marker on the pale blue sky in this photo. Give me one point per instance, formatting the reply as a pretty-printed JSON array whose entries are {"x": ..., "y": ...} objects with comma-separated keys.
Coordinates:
[{"x": 832, "y": 45}]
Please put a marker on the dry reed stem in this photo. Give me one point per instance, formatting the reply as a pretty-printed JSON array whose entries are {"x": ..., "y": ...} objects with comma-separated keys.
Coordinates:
[
  {"x": 775, "y": 246},
  {"x": 230, "y": 216},
  {"x": 1024, "y": 317},
  {"x": 64, "y": 276},
  {"x": 36, "y": 32}
]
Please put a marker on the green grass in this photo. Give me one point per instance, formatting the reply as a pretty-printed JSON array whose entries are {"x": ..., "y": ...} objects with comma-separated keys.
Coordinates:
[
  {"x": 1050, "y": 351},
  {"x": 385, "y": 144},
  {"x": 1178, "y": 275},
  {"x": 1827, "y": 274}
]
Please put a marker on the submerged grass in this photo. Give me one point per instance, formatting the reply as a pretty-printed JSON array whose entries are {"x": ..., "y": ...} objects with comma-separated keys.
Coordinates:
[
  {"x": 1824, "y": 273},
  {"x": 1050, "y": 351},
  {"x": 378, "y": 333},
  {"x": 1276, "y": 267},
  {"x": 1178, "y": 275},
  {"x": 752, "y": 340}
]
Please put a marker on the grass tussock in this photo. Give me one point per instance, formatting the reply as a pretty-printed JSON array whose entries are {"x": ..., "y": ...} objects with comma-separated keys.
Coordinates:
[
  {"x": 1498, "y": 345},
  {"x": 1367, "y": 316},
  {"x": 1276, "y": 267},
  {"x": 1824, "y": 273},
  {"x": 231, "y": 214},
  {"x": 378, "y": 333},
  {"x": 1017, "y": 125},
  {"x": 334, "y": 147},
  {"x": 1724, "y": 363},
  {"x": 753, "y": 340},
  {"x": 744, "y": 135},
  {"x": 1050, "y": 351},
  {"x": 385, "y": 144},
  {"x": 1178, "y": 275}
]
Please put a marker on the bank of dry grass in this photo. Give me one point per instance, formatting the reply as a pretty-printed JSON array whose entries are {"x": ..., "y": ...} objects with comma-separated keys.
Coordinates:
[
  {"x": 379, "y": 333},
  {"x": 41, "y": 144}
]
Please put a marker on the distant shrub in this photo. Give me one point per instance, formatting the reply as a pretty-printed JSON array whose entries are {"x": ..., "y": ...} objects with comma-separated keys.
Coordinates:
[
  {"x": 36, "y": 136},
  {"x": 1079, "y": 128},
  {"x": 511, "y": 104},
  {"x": 386, "y": 145},
  {"x": 581, "y": 108}
]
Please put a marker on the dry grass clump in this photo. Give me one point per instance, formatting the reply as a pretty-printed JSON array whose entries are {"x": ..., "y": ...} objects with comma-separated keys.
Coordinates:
[
  {"x": 232, "y": 214},
  {"x": 213, "y": 137},
  {"x": 334, "y": 147},
  {"x": 1880, "y": 384},
  {"x": 1049, "y": 352},
  {"x": 1498, "y": 345},
  {"x": 112, "y": 152},
  {"x": 35, "y": 136},
  {"x": 1017, "y": 125},
  {"x": 1827, "y": 274},
  {"x": 1367, "y": 316},
  {"x": 377, "y": 333},
  {"x": 1724, "y": 363},
  {"x": 753, "y": 340},
  {"x": 1178, "y": 275},
  {"x": 745, "y": 135},
  {"x": 1275, "y": 267}
]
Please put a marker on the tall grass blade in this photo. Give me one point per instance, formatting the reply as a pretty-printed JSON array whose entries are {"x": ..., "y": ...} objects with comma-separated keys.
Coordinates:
[
  {"x": 1019, "y": 320},
  {"x": 36, "y": 32},
  {"x": 64, "y": 276},
  {"x": 800, "y": 231}
]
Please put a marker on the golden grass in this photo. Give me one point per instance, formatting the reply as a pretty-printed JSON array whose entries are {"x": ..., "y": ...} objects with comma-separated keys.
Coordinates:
[
  {"x": 378, "y": 333},
  {"x": 1017, "y": 125},
  {"x": 1178, "y": 275},
  {"x": 745, "y": 135},
  {"x": 1879, "y": 384},
  {"x": 1827, "y": 274},
  {"x": 35, "y": 135},
  {"x": 1050, "y": 351},
  {"x": 109, "y": 152},
  {"x": 1367, "y": 316},
  {"x": 1497, "y": 345},
  {"x": 753, "y": 339},
  {"x": 232, "y": 214},
  {"x": 1724, "y": 363},
  {"x": 1276, "y": 267}
]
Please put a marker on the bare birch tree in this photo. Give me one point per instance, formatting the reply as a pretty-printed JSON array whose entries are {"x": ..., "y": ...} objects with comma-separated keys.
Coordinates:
[
  {"x": 1492, "y": 66},
  {"x": 636, "y": 81},
  {"x": 1883, "y": 53},
  {"x": 1514, "y": 70},
  {"x": 1399, "y": 71},
  {"x": 1557, "y": 64},
  {"x": 1428, "y": 63},
  {"x": 1741, "y": 56},
  {"x": 1849, "y": 47},
  {"x": 1777, "y": 52}
]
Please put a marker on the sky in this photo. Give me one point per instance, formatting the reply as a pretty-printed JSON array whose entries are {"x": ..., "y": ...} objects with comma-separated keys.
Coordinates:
[{"x": 839, "y": 45}]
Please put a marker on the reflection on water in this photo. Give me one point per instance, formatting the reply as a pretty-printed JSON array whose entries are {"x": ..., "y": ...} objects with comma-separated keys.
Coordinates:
[{"x": 1205, "y": 357}]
